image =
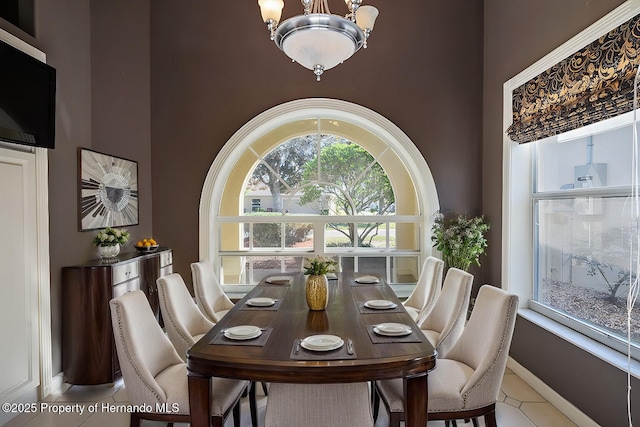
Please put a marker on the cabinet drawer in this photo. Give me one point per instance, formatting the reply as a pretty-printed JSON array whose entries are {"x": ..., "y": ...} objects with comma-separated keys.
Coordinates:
[
  {"x": 124, "y": 272},
  {"x": 123, "y": 288},
  {"x": 165, "y": 271},
  {"x": 166, "y": 259}
]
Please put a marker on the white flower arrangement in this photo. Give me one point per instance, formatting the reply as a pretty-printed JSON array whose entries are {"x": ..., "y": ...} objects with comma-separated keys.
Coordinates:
[
  {"x": 319, "y": 265},
  {"x": 111, "y": 237},
  {"x": 460, "y": 240}
]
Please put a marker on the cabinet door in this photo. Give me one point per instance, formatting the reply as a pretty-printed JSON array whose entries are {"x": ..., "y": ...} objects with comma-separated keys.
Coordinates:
[{"x": 149, "y": 273}]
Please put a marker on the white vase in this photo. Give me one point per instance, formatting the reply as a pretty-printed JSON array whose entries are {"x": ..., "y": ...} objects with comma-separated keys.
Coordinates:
[{"x": 107, "y": 252}]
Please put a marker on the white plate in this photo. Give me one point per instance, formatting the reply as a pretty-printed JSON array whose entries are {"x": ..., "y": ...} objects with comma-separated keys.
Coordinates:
[
  {"x": 367, "y": 279},
  {"x": 322, "y": 342},
  {"x": 244, "y": 332},
  {"x": 380, "y": 304},
  {"x": 392, "y": 329},
  {"x": 261, "y": 302},
  {"x": 331, "y": 276},
  {"x": 278, "y": 279}
]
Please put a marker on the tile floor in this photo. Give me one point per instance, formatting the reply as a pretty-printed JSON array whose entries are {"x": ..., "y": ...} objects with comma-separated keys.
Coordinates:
[{"x": 519, "y": 406}]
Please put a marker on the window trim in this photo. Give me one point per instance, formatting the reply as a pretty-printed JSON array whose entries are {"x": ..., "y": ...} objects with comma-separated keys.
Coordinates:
[
  {"x": 517, "y": 201},
  {"x": 322, "y": 108}
]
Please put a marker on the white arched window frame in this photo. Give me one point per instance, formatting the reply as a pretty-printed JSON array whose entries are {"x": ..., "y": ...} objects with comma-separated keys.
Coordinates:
[{"x": 299, "y": 110}]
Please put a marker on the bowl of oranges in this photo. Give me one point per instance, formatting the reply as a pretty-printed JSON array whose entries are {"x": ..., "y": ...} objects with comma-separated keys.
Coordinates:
[{"x": 146, "y": 245}]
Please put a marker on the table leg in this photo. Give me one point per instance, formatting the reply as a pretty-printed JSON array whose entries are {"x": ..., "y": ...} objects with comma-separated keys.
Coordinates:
[
  {"x": 199, "y": 400},
  {"x": 415, "y": 401}
]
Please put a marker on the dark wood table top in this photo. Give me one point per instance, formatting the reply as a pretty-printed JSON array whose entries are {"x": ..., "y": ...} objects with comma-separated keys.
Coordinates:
[{"x": 293, "y": 321}]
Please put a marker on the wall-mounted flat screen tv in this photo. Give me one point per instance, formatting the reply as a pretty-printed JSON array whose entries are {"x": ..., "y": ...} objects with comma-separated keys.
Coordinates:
[{"x": 27, "y": 99}]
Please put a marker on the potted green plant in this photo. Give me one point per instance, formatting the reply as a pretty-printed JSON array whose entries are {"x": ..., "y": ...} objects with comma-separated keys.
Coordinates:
[{"x": 460, "y": 239}]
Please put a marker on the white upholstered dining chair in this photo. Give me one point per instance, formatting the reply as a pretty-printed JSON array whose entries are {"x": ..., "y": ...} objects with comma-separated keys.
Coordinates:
[
  {"x": 210, "y": 297},
  {"x": 154, "y": 374},
  {"x": 319, "y": 405},
  {"x": 425, "y": 294},
  {"x": 444, "y": 324},
  {"x": 183, "y": 321},
  {"x": 466, "y": 383}
]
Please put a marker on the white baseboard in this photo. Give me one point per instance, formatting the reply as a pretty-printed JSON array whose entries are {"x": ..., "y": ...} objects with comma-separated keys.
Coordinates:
[{"x": 562, "y": 404}]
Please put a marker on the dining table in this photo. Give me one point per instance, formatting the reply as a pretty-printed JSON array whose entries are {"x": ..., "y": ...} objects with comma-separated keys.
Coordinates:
[{"x": 359, "y": 304}]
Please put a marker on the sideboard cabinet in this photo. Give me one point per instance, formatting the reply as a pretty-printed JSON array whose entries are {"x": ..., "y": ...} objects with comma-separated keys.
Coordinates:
[{"x": 88, "y": 348}]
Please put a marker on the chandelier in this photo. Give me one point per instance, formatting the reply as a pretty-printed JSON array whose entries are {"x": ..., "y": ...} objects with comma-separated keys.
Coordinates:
[{"x": 319, "y": 40}]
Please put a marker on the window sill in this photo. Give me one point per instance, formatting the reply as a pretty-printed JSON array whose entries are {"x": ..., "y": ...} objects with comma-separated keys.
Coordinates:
[{"x": 601, "y": 351}]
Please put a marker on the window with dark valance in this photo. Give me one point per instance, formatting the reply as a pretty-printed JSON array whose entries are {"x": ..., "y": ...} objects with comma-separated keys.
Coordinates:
[{"x": 594, "y": 84}]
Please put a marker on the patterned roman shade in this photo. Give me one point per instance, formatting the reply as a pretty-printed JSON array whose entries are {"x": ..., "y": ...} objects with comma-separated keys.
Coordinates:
[{"x": 595, "y": 83}]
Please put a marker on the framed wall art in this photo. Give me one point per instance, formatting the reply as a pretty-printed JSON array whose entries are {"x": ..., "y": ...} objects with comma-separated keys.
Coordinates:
[{"x": 108, "y": 188}]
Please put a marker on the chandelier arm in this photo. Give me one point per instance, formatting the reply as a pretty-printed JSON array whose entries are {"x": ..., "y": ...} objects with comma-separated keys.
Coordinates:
[{"x": 307, "y": 6}]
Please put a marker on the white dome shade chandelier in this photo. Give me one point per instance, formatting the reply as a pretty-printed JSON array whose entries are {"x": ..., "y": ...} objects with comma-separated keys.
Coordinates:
[{"x": 319, "y": 40}]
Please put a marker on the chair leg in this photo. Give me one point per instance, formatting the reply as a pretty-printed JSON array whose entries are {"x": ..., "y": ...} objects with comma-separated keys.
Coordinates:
[
  {"x": 475, "y": 422},
  {"x": 236, "y": 414},
  {"x": 375, "y": 400},
  {"x": 134, "y": 420},
  {"x": 265, "y": 390},
  {"x": 490, "y": 419},
  {"x": 253, "y": 407}
]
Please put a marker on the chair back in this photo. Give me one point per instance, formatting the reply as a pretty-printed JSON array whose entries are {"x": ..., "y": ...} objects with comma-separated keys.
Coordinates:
[
  {"x": 143, "y": 349},
  {"x": 484, "y": 344},
  {"x": 183, "y": 321},
  {"x": 449, "y": 313},
  {"x": 210, "y": 297},
  {"x": 427, "y": 288}
]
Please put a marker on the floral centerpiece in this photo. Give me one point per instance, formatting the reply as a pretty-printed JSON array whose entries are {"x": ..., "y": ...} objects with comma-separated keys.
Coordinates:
[
  {"x": 460, "y": 239},
  {"x": 317, "y": 285},
  {"x": 109, "y": 240},
  {"x": 111, "y": 237},
  {"x": 319, "y": 265}
]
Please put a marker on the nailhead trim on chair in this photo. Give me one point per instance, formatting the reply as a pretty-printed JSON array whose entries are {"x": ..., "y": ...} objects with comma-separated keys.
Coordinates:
[
  {"x": 458, "y": 318},
  {"x": 128, "y": 354},
  {"x": 509, "y": 316},
  {"x": 187, "y": 340}
]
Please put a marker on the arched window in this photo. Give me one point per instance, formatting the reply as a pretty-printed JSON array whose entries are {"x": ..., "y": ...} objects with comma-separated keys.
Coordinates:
[{"x": 317, "y": 176}]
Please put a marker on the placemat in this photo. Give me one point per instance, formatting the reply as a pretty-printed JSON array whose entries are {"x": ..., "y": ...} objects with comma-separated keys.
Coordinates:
[
  {"x": 278, "y": 280},
  {"x": 273, "y": 307},
  {"x": 366, "y": 310},
  {"x": 383, "y": 339},
  {"x": 256, "y": 342},
  {"x": 337, "y": 354}
]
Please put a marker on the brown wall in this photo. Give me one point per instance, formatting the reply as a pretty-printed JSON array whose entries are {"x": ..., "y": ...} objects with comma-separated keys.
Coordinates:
[
  {"x": 177, "y": 77},
  {"x": 101, "y": 53},
  {"x": 214, "y": 68},
  {"x": 517, "y": 34},
  {"x": 167, "y": 85}
]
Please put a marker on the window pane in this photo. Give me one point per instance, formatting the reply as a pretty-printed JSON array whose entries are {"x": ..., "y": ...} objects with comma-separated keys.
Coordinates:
[
  {"x": 339, "y": 235},
  {"x": 268, "y": 266},
  {"x": 599, "y": 160},
  {"x": 374, "y": 235},
  {"x": 299, "y": 235},
  {"x": 583, "y": 255},
  {"x": 267, "y": 235}
]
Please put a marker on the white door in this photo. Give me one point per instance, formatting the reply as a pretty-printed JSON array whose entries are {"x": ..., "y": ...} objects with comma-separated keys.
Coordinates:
[{"x": 19, "y": 358}]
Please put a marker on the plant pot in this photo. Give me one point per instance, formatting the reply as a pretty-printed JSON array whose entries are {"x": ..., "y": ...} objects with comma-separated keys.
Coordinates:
[
  {"x": 317, "y": 288},
  {"x": 107, "y": 252}
]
